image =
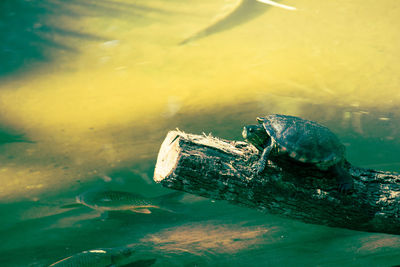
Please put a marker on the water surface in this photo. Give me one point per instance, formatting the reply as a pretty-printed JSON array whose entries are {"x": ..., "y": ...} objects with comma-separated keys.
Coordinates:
[{"x": 89, "y": 89}]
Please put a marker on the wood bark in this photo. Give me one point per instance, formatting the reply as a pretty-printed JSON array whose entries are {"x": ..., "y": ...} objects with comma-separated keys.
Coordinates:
[{"x": 221, "y": 170}]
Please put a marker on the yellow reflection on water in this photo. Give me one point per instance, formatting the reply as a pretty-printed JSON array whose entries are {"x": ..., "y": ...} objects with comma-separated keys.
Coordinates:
[{"x": 134, "y": 75}]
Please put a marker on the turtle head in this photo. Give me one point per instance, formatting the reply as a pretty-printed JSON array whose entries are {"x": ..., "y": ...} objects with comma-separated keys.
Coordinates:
[{"x": 256, "y": 135}]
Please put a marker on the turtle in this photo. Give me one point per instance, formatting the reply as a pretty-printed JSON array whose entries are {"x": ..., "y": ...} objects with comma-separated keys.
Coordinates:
[{"x": 302, "y": 140}]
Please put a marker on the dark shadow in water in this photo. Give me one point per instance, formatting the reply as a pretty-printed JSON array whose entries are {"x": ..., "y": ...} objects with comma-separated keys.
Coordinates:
[
  {"x": 27, "y": 36},
  {"x": 32, "y": 31},
  {"x": 247, "y": 10},
  {"x": 8, "y": 135}
]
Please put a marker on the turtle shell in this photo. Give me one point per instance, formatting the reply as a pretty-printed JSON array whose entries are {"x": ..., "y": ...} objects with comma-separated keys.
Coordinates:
[{"x": 304, "y": 140}]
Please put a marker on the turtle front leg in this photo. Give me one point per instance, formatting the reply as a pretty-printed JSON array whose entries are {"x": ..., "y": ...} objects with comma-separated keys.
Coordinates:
[
  {"x": 343, "y": 178},
  {"x": 260, "y": 165}
]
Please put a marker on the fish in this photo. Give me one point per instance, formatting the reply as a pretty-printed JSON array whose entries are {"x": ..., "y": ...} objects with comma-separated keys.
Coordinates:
[
  {"x": 105, "y": 257},
  {"x": 108, "y": 200},
  {"x": 245, "y": 10}
]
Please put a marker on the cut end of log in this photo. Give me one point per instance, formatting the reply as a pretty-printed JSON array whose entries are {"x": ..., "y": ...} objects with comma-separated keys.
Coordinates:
[{"x": 168, "y": 156}]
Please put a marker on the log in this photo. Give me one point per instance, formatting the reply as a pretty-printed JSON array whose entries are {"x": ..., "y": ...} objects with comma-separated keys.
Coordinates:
[{"x": 221, "y": 170}]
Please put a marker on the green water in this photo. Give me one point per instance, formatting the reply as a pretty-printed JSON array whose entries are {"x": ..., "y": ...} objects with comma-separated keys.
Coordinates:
[{"x": 89, "y": 89}]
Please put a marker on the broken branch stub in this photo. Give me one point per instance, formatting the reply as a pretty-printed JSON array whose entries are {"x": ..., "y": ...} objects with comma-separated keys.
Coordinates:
[{"x": 221, "y": 170}]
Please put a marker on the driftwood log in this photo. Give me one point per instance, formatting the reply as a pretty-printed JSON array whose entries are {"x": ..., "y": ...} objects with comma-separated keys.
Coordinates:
[{"x": 221, "y": 170}]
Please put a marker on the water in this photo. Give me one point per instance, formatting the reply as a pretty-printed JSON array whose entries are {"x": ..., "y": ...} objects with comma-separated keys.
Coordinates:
[{"x": 89, "y": 89}]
